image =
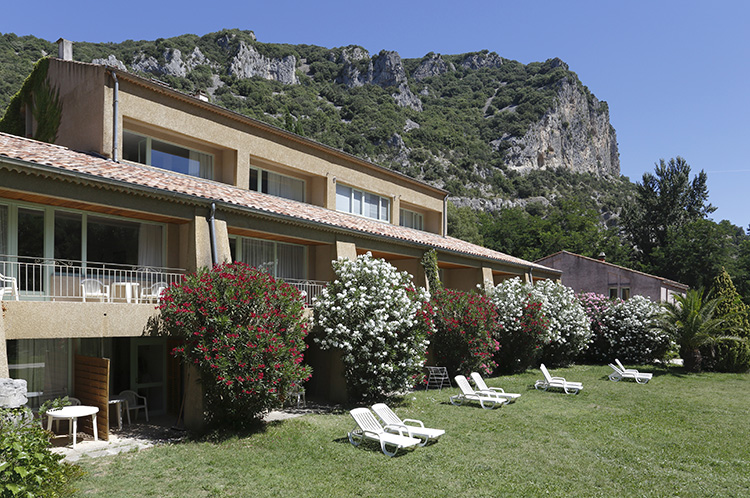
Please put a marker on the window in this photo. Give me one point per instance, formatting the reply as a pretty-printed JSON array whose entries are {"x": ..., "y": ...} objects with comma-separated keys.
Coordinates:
[
  {"x": 45, "y": 366},
  {"x": 272, "y": 183},
  {"x": 147, "y": 150},
  {"x": 411, "y": 219},
  {"x": 280, "y": 259},
  {"x": 351, "y": 200},
  {"x": 625, "y": 293},
  {"x": 613, "y": 292}
]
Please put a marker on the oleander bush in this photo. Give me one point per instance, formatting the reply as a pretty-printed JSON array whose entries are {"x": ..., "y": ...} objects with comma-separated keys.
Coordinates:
[
  {"x": 245, "y": 333},
  {"x": 375, "y": 316},
  {"x": 628, "y": 330},
  {"x": 567, "y": 331},
  {"x": 466, "y": 327},
  {"x": 28, "y": 468}
]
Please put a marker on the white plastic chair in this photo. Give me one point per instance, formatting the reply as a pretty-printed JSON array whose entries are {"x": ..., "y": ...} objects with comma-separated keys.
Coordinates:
[
  {"x": 93, "y": 288},
  {"x": 391, "y": 421},
  {"x": 492, "y": 400},
  {"x": 557, "y": 382},
  {"x": 8, "y": 285},
  {"x": 369, "y": 428},
  {"x": 619, "y": 374},
  {"x": 153, "y": 292},
  {"x": 498, "y": 391},
  {"x": 134, "y": 401}
]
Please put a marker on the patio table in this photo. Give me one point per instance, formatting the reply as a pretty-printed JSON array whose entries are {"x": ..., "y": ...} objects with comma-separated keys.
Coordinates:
[
  {"x": 72, "y": 413},
  {"x": 131, "y": 290}
]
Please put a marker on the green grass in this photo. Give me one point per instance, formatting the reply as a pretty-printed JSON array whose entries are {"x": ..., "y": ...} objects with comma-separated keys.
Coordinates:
[{"x": 679, "y": 435}]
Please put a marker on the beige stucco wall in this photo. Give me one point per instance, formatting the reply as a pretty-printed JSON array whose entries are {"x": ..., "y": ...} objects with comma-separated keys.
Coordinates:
[{"x": 49, "y": 320}]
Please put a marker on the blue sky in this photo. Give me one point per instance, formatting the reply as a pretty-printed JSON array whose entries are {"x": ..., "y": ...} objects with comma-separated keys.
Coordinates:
[{"x": 674, "y": 73}]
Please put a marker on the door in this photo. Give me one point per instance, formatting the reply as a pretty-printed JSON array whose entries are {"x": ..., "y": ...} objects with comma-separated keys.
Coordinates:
[{"x": 148, "y": 371}]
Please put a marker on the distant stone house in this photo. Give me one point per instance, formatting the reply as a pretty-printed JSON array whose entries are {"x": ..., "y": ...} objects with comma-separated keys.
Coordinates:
[{"x": 584, "y": 274}]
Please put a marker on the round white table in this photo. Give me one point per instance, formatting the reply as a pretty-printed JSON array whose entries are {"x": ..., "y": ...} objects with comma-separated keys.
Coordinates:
[{"x": 72, "y": 413}]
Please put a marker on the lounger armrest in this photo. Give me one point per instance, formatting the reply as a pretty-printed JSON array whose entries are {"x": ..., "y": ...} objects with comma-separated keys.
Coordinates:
[
  {"x": 402, "y": 429},
  {"x": 497, "y": 389},
  {"x": 416, "y": 422},
  {"x": 561, "y": 379}
]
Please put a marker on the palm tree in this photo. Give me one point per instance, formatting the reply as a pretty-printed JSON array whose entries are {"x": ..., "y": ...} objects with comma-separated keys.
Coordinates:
[{"x": 692, "y": 324}]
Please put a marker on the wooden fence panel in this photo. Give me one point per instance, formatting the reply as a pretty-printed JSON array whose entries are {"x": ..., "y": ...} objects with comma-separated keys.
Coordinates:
[{"x": 92, "y": 388}]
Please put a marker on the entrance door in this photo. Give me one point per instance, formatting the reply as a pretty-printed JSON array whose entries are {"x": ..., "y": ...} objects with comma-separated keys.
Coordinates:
[{"x": 148, "y": 371}]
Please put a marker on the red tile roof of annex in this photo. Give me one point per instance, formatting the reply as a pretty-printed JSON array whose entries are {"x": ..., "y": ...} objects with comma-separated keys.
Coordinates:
[{"x": 140, "y": 177}]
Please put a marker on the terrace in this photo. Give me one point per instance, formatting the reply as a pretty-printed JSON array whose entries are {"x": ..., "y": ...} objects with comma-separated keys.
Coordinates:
[{"x": 40, "y": 279}]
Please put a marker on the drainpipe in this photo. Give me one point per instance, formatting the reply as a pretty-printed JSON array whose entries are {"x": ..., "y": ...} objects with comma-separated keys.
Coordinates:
[
  {"x": 445, "y": 216},
  {"x": 212, "y": 229},
  {"x": 115, "y": 119}
]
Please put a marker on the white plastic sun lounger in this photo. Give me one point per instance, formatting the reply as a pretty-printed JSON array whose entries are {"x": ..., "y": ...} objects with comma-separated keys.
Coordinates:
[
  {"x": 619, "y": 365},
  {"x": 619, "y": 374},
  {"x": 482, "y": 388},
  {"x": 557, "y": 382},
  {"x": 369, "y": 428},
  {"x": 492, "y": 400},
  {"x": 413, "y": 427}
]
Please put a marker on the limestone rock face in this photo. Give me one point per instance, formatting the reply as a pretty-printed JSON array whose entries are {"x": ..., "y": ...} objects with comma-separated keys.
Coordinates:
[
  {"x": 406, "y": 98},
  {"x": 388, "y": 70},
  {"x": 575, "y": 134},
  {"x": 434, "y": 65},
  {"x": 111, "y": 61},
  {"x": 482, "y": 60},
  {"x": 351, "y": 75},
  {"x": 248, "y": 63}
]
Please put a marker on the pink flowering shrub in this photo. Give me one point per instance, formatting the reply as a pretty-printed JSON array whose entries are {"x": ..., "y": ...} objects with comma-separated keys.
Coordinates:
[
  {"x": 521, "y": 345},
  {"x": 244, "y": 332},
  {"x": 465, "y": 328}
]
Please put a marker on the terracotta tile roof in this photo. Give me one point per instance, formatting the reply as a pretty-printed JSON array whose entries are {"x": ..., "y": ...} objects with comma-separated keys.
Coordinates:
[{"x": 139, "y": 177}]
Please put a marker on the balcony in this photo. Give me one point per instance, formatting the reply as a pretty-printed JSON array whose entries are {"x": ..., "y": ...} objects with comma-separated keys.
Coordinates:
[{"x": 39, "y": 279}]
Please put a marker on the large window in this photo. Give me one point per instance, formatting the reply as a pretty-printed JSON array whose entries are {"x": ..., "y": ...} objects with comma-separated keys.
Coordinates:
[
  {"x": 280, "y": 259},
  {"x": 146, "y": 150},
  {"x": 45, "y": 366},
  {"x": 411, "y": 219},
  {"x": 272, "y": 183},
  {"x": 351, "y": 200}
]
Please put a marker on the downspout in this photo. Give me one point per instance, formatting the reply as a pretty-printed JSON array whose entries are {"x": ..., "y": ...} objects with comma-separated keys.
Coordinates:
[
  {"x": 445, "y": 215},
  {"x": 115, "y": 119},
  {"x": 212, "y": 229}
]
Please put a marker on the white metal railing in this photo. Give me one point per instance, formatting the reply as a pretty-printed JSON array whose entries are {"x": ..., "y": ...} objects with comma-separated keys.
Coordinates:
[
  {"x": 40, "y": 279},
  {"x": 309, "y": 288}
]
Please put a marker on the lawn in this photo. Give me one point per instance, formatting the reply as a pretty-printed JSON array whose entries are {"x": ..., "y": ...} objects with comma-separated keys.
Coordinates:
[{"x": 679, "y": 435}]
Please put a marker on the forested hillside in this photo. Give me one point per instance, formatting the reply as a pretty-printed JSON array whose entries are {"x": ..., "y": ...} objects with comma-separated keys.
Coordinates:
[{"x": 525, "y": 150}]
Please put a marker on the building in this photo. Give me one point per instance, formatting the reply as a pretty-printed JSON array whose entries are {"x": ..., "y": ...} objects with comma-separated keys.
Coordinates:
[
  {"x": 584, "y": 274},
  {"x": 144, "y": 183}
]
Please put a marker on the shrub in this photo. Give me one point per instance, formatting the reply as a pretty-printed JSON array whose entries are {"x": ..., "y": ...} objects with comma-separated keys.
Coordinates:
[
  {"x": 244, "y": 332},
  {"x": 726, "y": 354},
  {"x": 594, "y": 306},
  {"x": 567, "y": 332},
  {"x": 629, "y": 332},
  {"x": 27, "y": 466},
  {"x": 465, "y": 329},
  {"x": 520, "y": 346},
  {"x": 380, "y": 322}
]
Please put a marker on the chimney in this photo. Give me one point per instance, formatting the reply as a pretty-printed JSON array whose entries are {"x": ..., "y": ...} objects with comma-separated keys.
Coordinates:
[
  {"x": 65, "y": 49},
  {"x": 602, "y": 257}
]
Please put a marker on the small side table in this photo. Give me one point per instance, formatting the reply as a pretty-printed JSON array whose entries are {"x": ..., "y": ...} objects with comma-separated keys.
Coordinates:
[
  {"x": 114, "y": 400},
  {"x": 72, "y": 413}
]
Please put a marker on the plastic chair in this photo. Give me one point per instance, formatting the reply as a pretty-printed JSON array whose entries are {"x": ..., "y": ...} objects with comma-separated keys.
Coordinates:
[
  {"x": 153, "y": 292},
  {"x": 9, "y": 285},
  {"x": 134, "y": 401},
  {"x": 91, "y": 287}
]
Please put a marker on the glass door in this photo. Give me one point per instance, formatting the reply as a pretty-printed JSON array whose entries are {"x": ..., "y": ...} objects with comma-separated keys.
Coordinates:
[{"x": 148, "y": 371}]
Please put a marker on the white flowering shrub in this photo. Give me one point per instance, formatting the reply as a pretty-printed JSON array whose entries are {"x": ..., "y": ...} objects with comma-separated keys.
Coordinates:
[
  {"x": 628, "y": 332},
  {"x": 567, "y": 332},
  {"x": 379, "y": 320}
]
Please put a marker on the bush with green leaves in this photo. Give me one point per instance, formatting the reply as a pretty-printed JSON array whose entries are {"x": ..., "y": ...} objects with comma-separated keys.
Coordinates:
[
  {"x": 520, "y": 346},
  {"x": 466, "y": 327},
  {"x": 375, "y": 316},
  {"x": 28, "y": 468},
  {"x": 245, "y": 333},
  {"x": 568, "y": 331},
  {"x": 629, "y": 331}
]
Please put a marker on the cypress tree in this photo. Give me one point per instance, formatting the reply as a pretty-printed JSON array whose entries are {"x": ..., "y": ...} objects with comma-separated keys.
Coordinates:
[{"x": 730, "y": 307}]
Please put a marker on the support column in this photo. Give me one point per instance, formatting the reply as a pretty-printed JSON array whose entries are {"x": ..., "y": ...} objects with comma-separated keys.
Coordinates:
[
  {"x": 346, "y": 250},
  {"x": 4, "y": 370}
]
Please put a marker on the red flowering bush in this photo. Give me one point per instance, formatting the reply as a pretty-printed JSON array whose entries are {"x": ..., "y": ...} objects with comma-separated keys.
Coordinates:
[
  {"x": 244, "y": 332},
  {"x": 465, "y": 326},
  {"x": 521, "y": 345}
]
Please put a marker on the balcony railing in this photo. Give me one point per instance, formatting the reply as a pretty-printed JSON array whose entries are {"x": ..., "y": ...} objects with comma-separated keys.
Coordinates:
[{"x": 39, "y": 279}]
